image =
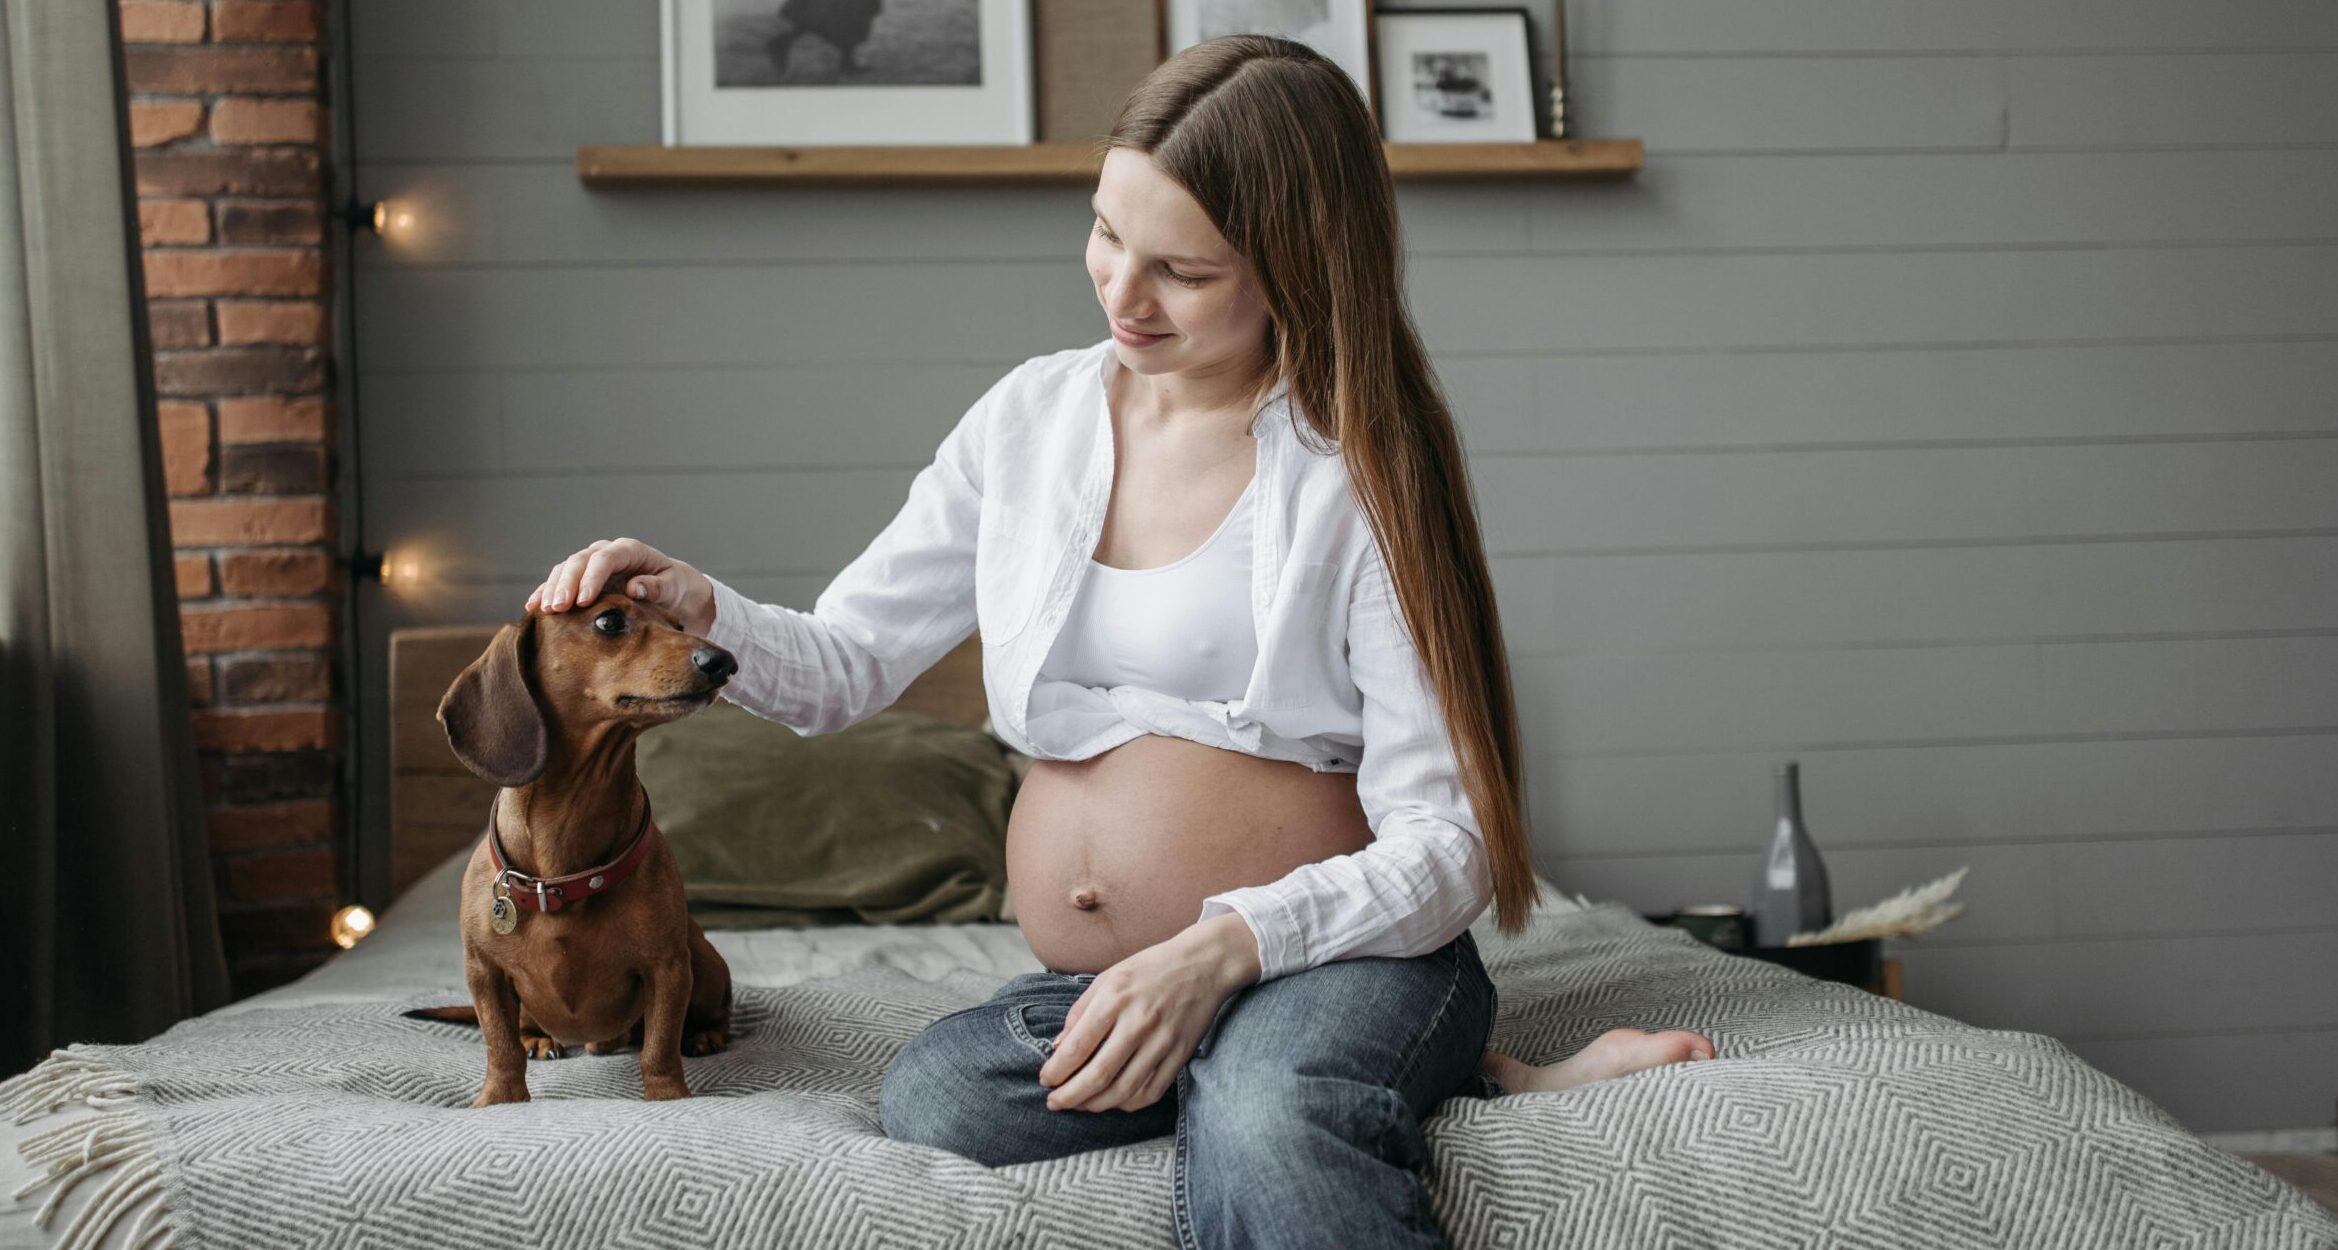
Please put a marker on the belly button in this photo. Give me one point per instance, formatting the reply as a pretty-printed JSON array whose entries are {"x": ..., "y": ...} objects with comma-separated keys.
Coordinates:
[{"x": 1084, "y": 898}]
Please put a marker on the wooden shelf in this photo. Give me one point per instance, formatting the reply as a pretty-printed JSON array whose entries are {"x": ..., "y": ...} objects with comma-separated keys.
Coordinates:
[{"x": 655, "y": 165}]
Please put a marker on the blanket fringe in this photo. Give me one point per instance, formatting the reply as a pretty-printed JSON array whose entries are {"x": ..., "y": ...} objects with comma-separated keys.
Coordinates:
[
  {"x": 63, "y": 1076},
  {"x": 119, "y": 1141}
]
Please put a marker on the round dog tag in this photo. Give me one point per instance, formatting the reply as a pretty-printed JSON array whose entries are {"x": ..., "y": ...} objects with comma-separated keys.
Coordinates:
[{"x": 503, "y": 916}]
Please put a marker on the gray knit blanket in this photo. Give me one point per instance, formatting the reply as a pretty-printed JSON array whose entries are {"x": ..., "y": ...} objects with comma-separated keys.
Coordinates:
[{"x": 1831, "y": 1117}]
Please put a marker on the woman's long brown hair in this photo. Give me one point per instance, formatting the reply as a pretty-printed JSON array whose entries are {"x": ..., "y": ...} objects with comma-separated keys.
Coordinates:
[{"x": 1274, "y": 142}]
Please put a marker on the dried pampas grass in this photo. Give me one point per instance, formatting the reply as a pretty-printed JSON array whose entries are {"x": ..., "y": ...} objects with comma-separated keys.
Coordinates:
[{"x": 1905, "y": 914}]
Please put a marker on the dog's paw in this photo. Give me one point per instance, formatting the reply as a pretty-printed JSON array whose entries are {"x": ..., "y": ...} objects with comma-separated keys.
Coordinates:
[
  {"x": 705, "y": 1042},
  {"x": 610, "y": 1047},
  {"x": 492, "y": 1093},
  {"x": 664, "y": 1091},
  {"x": 539, "y": 1046}
]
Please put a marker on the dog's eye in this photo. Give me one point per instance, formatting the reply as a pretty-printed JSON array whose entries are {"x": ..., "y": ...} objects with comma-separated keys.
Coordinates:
[{"x": 610, "y": 622}]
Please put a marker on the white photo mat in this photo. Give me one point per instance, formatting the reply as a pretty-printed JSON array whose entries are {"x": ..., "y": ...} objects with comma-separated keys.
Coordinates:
[
  {"x": 1500, "y": 35},
  {"x": 694, "y": 112}
]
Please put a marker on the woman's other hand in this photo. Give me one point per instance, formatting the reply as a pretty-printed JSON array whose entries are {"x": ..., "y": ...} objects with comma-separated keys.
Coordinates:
[
  {"x": 639, "y": 571},
  {"x": 1128, "y": 1034}
]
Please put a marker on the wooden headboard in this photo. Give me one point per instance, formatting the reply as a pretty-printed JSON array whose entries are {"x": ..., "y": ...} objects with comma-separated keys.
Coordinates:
[{"x": 437, "y": 806}]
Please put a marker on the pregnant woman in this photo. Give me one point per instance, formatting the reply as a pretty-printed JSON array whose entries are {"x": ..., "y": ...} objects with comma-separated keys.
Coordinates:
[{"x": 1233, "y": 602}]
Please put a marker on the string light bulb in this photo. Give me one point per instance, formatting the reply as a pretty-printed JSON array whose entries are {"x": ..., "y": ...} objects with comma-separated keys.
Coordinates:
[{"x": 350, "y": 924}]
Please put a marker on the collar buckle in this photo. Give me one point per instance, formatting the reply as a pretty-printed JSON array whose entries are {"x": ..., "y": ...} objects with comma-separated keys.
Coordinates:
[{"x": 551, "y": 893}]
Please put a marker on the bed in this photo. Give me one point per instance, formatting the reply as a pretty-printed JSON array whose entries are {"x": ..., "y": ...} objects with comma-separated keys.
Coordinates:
[{"x": 320, "y": 1113}]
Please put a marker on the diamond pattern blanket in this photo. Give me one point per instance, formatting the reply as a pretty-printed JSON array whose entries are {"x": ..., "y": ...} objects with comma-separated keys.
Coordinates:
[{"x": 1831, "y": 1117}]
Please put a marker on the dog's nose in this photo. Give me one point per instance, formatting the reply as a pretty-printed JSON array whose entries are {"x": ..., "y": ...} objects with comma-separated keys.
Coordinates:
[{"x": 713, "y": 661}]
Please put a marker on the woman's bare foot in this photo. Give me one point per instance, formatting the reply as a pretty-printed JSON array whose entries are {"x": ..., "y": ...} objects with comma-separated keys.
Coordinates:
[{"x": 1613, "y": 1053}]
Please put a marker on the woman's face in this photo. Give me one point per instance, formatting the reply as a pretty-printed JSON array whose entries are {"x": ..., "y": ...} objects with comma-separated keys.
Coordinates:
[{"x": 1161, "y": 268}]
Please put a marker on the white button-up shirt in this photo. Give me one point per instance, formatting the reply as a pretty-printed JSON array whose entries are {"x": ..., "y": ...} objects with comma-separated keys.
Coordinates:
[{"x": 996, "y": 535}]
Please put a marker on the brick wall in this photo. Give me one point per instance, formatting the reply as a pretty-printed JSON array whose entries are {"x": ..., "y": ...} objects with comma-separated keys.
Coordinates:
[{"x": 228, "y": 121}]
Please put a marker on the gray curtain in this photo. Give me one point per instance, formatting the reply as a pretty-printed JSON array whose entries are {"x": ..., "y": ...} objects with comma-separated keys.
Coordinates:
[{"x": 108, "y": 930}]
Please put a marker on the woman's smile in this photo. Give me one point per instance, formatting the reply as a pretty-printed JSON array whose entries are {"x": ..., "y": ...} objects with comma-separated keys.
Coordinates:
[{"x": 1135, "y": 338}]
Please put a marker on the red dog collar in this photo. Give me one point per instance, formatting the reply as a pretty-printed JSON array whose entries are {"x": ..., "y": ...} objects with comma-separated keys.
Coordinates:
[{"x": 551, "y": 893}]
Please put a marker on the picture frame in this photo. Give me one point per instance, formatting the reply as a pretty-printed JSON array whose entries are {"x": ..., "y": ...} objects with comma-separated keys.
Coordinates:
[
  {"x": 1339, "y": 29},
  {"x": 846, "y": 72},
  {"x": 1456, "y": 75},
  {"x": 1546, "y": 35}
]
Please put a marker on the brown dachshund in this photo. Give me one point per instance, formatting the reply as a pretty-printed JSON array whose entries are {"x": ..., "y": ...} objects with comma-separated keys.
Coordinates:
[{"x": 575, "y": 929}]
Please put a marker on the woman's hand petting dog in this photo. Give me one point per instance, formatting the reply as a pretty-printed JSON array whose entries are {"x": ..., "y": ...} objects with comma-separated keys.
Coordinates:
[
  {"x": 650, "y": 575},
  {"x": 1128, "y": 1034}
]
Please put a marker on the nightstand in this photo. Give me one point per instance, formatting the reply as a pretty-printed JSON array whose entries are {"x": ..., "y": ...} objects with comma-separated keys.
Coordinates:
[{"x": 1851, "y": 963}]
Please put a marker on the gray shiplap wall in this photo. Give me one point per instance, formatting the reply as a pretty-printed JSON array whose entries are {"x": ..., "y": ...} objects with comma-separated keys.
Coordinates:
[{"x": 1946, "y": 406}]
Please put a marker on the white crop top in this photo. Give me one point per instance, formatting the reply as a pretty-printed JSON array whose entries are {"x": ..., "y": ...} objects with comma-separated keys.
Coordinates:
[{"x": 1182, "y": 628}]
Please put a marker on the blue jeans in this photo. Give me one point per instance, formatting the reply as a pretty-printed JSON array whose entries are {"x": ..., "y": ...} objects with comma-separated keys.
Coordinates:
[{"x": 1297, "y": 1116}]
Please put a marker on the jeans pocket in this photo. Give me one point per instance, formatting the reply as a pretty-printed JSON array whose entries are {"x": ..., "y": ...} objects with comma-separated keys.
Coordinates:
[{"x": 1036, "y": 1024}]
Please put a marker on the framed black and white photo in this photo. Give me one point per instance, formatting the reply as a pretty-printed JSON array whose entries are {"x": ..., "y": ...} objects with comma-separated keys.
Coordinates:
[
  {"x": 1339, "y": 29},
  {"x": 1456, "y": 76},
  {"x": 1546, "y": 46},
  {"x": 799, "y": 72}
]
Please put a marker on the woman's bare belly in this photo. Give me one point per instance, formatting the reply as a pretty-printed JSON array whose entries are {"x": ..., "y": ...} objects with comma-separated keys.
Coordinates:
[{"x": 1109, "y": 855}]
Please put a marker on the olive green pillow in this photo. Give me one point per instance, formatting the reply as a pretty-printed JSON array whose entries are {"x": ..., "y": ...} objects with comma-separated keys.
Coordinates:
[{"x": 902, "y": 817}]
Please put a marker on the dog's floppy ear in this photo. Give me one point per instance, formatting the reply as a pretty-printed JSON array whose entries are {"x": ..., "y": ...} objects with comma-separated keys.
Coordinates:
[{"x": 491, "y": 715}]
